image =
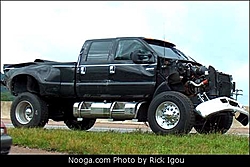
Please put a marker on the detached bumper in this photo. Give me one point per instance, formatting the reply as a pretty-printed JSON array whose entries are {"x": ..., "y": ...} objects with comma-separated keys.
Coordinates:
[{"x": 223, "y": 104}]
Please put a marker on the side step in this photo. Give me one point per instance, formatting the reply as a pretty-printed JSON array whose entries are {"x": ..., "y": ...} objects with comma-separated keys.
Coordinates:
[{"x": 114, "y": 110}]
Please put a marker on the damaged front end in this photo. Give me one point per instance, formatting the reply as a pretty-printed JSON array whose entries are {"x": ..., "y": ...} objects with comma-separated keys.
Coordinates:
[
  {"x": 211, "y": 93},
  {"x": 218, "y": 99}
]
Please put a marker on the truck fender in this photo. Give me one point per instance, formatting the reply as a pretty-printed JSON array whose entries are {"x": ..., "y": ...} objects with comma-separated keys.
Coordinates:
[
  {"x": 161, "y": 88},
  {"x": 223, "y": 104},
  {"x": 44, "y": 75}
]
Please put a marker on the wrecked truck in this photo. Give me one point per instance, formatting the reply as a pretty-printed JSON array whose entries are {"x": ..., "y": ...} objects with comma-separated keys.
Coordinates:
[{"x": 125, "y": 78}]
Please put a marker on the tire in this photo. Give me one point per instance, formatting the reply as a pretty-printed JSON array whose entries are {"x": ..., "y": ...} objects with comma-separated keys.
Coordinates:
[
  {"x": 85, "y": 124},
  {"x": 215, "y": 124},
  {"x": 28, "y": 111},
  {"x": 180, "y": 110}
]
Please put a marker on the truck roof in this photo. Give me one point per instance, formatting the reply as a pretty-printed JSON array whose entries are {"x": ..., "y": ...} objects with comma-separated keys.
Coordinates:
[{"x": 148, "y": 40}]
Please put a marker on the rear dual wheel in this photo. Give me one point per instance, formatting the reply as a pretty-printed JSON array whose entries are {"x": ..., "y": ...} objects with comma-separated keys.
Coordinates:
[
  {"x": 84, "y": 124},
  {"x": 28, "y": 110}
]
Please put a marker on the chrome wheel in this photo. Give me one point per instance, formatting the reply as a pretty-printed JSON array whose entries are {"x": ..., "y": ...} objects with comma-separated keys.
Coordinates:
[
  {"x": 24, "y": 112},
  {"x": 167, "y": 115}
]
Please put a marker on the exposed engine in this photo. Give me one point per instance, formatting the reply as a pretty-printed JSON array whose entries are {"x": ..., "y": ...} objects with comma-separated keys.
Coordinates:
[{"x": 193, "y": 79}]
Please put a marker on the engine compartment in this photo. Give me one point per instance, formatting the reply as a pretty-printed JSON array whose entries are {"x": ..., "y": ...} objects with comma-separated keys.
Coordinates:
[{"x": 192, "y": 78}]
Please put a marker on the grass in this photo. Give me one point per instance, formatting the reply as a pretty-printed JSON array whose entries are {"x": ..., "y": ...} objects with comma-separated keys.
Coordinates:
[{"x": 138, "y": 142}]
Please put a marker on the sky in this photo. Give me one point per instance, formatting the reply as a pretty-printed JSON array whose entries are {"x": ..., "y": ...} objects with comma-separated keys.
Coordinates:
[{"x": 212, "y": 32}]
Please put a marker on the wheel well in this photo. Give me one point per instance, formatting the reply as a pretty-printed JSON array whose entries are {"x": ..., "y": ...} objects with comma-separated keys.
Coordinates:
[
  {"x": 24, "y": 83},
  {"x": 163, "y": 87},
  {"x": 142, "y": 114}
]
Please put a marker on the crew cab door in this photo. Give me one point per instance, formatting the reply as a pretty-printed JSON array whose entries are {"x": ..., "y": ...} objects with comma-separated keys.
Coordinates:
[
  {"x": 130, "y": 80},
  {"x": 93, "y": 69}
]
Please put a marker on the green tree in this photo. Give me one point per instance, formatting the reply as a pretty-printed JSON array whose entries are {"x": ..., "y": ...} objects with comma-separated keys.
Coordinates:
[{"x": 6, "y": 96}]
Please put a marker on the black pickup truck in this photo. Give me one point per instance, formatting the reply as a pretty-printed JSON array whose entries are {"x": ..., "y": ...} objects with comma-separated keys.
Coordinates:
[{"x": 125, "y": 78}]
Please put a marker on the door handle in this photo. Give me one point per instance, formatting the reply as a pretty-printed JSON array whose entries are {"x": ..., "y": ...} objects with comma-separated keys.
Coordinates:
[
  {"x": 111, "y": 69},
  {"x": 83, "y": 70},
  {"x": 150, "y": 69}
]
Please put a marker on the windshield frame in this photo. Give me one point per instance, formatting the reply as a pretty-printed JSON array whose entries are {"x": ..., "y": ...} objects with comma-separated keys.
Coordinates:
[
  {"x": 181, "y": 53},
  {"x": 173, "y": 52},
  {"x": 159, "y": 48}
]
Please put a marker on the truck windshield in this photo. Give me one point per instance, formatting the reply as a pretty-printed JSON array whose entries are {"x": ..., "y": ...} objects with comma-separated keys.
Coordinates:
[{"x": 170, "y": 52}]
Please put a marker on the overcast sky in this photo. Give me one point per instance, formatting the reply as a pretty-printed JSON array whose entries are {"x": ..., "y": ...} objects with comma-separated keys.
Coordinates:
[{"x": 213, "y": 33}]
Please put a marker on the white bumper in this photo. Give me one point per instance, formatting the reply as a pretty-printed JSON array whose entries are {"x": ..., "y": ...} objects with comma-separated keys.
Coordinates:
[{"x": 221, "y": 104}]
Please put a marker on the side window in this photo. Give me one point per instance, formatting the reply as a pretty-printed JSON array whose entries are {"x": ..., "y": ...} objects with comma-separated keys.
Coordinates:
[
  {"x": 99, "y": 50},
  {"x": 126, "y": 47}
]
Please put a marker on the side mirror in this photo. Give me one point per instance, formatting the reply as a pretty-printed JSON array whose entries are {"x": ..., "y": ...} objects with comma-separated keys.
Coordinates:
[{"x": 140, "y": 57}]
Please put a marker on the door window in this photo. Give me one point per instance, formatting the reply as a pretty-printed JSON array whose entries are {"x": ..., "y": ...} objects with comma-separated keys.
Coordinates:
[
  {"x": 99, "y": 51},
  {"x": 126, "y": 47}
]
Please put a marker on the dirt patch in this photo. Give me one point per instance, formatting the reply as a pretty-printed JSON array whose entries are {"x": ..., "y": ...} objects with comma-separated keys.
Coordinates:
[{"x": 17, "y": 150}]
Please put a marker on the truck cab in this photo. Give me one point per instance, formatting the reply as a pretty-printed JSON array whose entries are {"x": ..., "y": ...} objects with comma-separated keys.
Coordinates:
[{"x": 106, "y": 70}]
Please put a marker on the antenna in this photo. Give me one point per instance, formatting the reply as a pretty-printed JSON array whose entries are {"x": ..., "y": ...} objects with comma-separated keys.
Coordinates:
[
  {"x": 164, "y": 31},
  {"x": 164, "y": 38}
]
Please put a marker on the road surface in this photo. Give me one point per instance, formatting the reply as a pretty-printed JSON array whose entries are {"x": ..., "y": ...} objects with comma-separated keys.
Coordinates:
[{"x": 104, "y": 125}]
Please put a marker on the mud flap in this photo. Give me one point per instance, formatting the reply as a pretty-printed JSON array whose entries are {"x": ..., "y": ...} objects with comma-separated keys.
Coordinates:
[{"x": 223, "y": 104}]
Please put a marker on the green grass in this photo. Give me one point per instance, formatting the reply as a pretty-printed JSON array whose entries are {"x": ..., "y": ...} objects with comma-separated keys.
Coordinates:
[
  {"x": 138, "y": 142},
  {"x": 6, "y": 96}
]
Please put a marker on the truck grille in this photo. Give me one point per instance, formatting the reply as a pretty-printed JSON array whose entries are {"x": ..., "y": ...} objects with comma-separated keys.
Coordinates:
[{"x": 220, "y": 84}]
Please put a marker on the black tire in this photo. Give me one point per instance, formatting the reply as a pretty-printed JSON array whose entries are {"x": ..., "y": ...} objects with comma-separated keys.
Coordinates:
[
  {"x": 215, "y": 124},
  {"x": 180, "y": 118},
  {"x": 84, "y": 124},
  {"x": 28, "y": 111}
]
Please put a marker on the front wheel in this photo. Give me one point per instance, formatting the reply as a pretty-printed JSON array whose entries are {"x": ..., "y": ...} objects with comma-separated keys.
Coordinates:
[
  {"x": 220, "y": 123},
  {"x": 171, "y": 113},
  {"x": 28, "y": 110}
]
